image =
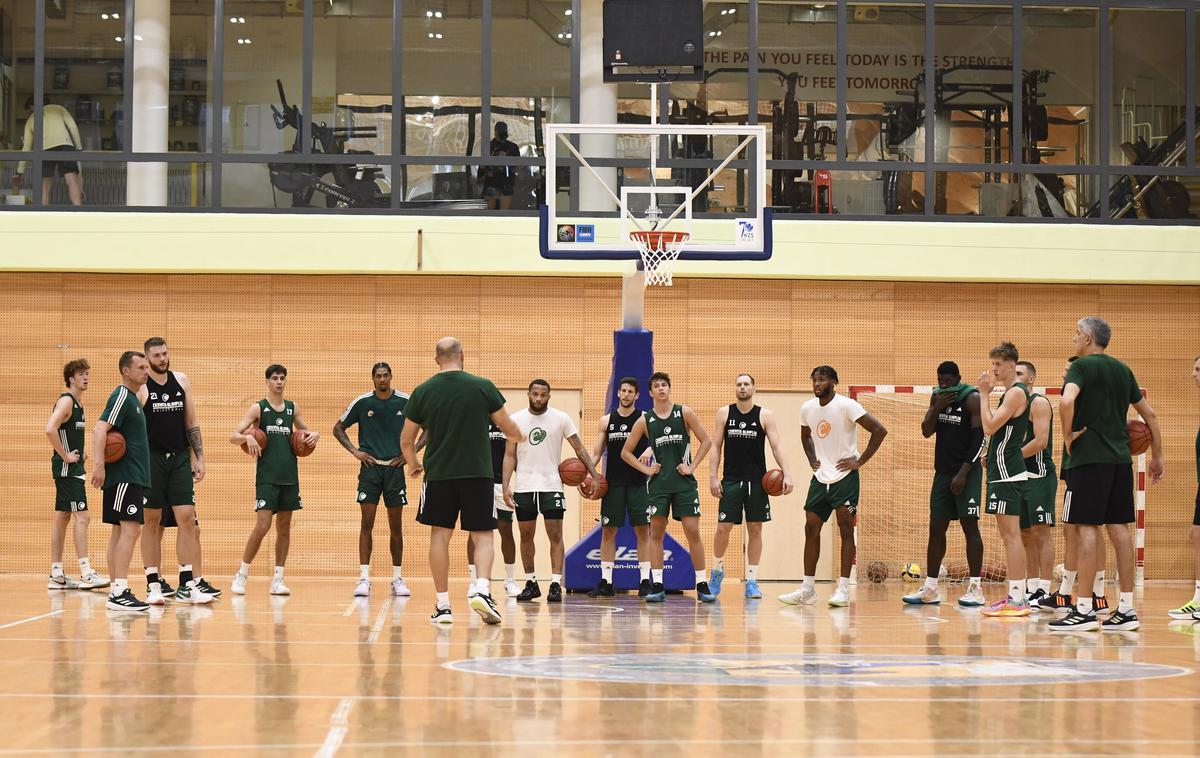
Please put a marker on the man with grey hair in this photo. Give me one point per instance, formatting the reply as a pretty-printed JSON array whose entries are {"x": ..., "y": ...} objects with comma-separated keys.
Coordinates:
[
  {"x": 1095, "y": 402},
  {"x": 453, "y": 407}
]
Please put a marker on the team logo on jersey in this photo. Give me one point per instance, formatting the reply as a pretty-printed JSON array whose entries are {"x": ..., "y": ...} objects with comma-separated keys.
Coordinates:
[
  {"x": 604, "y": 521},
  {"x": 370, "y": 414},
  {"x": 721, "y": 516},
  {"x": 260, "y": 504},
  {"x": 823, "y": 429},
  {"x": 624, "y": 427},
  {"x": 666, "y": 430},
  {"x": 131, "y": 510},
  {"x": 742, "y": 425},
  {"x": 362, "y": 496},
  {"x": 537, "y": 436}
]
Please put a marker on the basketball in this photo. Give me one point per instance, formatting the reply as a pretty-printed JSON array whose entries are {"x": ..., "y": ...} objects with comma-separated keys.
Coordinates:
[
  {"x": 911, "y": 572},
  {"x": 114, "y": 447},
  {"x": 956, "y": 570},
  {"x": 299, "y": 447},
  {"x": 585, "y": 488},
  {"x": 772, "y": 482},
  {"x": 877, "y": 571},
  {"x": 994, "y": 571},
  {"x": 572, "y": 472},
  {"x": 1139, "y": 436},
  {"x": 259, "y": 436}
]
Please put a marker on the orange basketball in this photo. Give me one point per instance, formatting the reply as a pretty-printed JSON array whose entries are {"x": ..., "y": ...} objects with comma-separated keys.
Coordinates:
[
  {"x": 877, "y": 571},
  {"x": 595, "y": 493},
  {"x": 1139, "y": 436},
  {"x": 994, "y": 571},
  {"x": 114, "y": 447},
  {"x": 956, "y": 571},
  {"x": 259, "y": 436},
  {"x": 299, "y": 447},
  {"x": 772, "y": 482},
  {"x": 572, "y": 472}
]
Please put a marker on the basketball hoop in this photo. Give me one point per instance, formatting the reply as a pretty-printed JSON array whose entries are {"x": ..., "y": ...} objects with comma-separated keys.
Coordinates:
[{"x": 659, "y": 252}]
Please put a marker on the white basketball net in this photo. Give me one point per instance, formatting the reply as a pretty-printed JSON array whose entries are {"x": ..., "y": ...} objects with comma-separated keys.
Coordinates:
[{"x": 659, "y": 252}]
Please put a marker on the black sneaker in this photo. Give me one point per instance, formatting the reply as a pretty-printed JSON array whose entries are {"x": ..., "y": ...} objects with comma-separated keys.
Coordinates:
[
  {"x": 602, "y": 589},
  {"x": 1100, "y": 605},
  {"x": 1075, "y": 622},
  {"x": 1035, "y": 598},
  {"x": 167, "y": 589},
  {"x": 485, "y": 607},
  {"x": 1121, "y": 622},
  {"x": 441, "y": 616},
  {"x": 704, "y": 594},
  {"x": 644, "y": 588},
  {"x": 657, "y": 593},
  {"x": 1056, "y": 602},
  {"x": 207, "y": 588},
  {"x": 555, "y": 593},
  {"x": 126, "y": 602},
  {"x": 530, "y": 592}
]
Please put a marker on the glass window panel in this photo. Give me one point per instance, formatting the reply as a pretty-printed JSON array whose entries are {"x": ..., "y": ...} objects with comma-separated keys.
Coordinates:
[
  {"x": 306, "y": 185},
  {"x": 264, "y": 42},
  {"x": 857, "y": 193},
  {"x": 352, "y": 75},
  {"x": 190, "y": 86},
  {"x": 884, "y": 60},
  {"x": 796, "y": 79},
  {"x": 442, "y": 79},
  {"x": 16, "y": 73},
  {"x": 1147, "y": 86},
  {"x": 1008, "y": 195},
  {"x": 974, "y": 84},
  {"x": 1136, "y": 196},
  {"x": 1060, "y": 46}
]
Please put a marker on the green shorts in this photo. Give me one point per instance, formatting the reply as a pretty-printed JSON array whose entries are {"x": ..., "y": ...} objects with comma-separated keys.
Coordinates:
[
  {"x": 1038, "y": 505},
  {"x": 824, "y": 499},
  {"x": 944, "y": 505},
  {"x": 388, "y": 481},
  {"x": 623, "y": 500},
  {"x": 552, "y": 505},
  {"x": 170, "y": 480},
  {"x": 743, "y": 496},
  {"x": 277, "y": 497},
  {"x": 1005, "y": 498},
  {"x": 70, "y": 495},
  {"x": 680, "y": 505}
]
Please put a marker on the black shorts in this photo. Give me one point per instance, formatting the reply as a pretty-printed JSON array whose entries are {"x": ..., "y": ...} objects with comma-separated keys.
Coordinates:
[
  {"x": 1099, "y": 493},
  {"x": 167, "y": 521},
  {"x": 468, "y": 501},
  {"x": 123, "y": 502},
  {"x": 51, "y": 169},
  {"x": 1196, "y": 515}
]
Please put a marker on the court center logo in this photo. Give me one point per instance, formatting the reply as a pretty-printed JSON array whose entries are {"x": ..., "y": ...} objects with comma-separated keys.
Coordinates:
[{"x": 537, "y": 436}]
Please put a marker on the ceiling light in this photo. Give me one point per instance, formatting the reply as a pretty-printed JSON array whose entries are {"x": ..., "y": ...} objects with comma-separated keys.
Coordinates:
[
  {"x": 436, "y": 99},
  {"x": 567, "y": 12},
  {"x": 428, "y": 14},
  {"x": 104, "y": 16},
  {"x": 119, "y": 39},
  {"x": 819, "y": 6},
  {"x": 437, "y": 14},
  {"x": 116, "y": 15},
  {"x": 431, "y": 35},
  {"x": 568, "y": 35},
  {"x": 137, "y": 37},
  {"x": 438, "y": 35}
]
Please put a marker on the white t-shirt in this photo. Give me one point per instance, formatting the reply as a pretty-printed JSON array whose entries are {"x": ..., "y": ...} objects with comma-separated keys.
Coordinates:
[
  {"x": 541, "y": 452},
  {"x": 834, "y": 433}
]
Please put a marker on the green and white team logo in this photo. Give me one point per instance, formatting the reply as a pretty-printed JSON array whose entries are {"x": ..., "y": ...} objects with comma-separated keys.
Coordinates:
[
  {"x": 537, "y": 435},
  {"x": 362, "y": 496}
]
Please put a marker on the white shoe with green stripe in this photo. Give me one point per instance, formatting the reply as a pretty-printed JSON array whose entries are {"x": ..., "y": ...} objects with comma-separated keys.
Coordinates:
[{"x": 1185, "y": 612}]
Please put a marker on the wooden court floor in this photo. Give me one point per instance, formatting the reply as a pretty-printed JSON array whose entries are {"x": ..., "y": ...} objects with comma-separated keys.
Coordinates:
[{"x": 318, "y": 675}]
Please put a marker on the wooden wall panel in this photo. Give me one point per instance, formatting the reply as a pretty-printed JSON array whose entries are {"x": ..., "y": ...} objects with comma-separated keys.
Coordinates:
[{"x": 328, "y": 330}]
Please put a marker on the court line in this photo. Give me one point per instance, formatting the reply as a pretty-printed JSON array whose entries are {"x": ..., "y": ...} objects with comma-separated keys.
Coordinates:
[
  {"x": 350, "y": 609},
  {"x": 597, "y": 698},
  {"x": 32, "y": 618},
  {"x": 339, "y": 722}
]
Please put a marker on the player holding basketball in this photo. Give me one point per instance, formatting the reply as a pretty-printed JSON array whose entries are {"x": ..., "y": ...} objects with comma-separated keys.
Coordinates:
[
  {"x": 1191, "y": 609},
  {"x": 743, "y": 430},
  {"x": 835, "y": 461},
  {"x": 672, "y": 487},
  {"x": 276, "y": 478},
  {"x": 66, "y": 430},
  {"x": 504, "y": 517},
  {"x": 532, "y": 484},
  {"x": 1037, "y": 517},
  {"x": 626, "y": 496},
  {"x": 176, "y": 464},
  {"x": 380, "y": 418},
  {"x": 124, "y": 481},
  {"x": 953, "y": 416},
  {"x": 1095, "y": 402}
]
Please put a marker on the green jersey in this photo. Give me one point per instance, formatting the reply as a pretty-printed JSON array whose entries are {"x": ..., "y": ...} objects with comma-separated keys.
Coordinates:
[
  {"x": 71, "y": 434},
  {"x": 1005, "y": 462},
  {"x": 277, "y": 464},
  {"x": 124, "y": 414},
  {"x": 1106, "y": 390},
  {"x": 454, "y": 408},
  {"x": 1040, "y": 464},
  {"x": 379, "y": 423},
  {"x": 672, "y": 446}
]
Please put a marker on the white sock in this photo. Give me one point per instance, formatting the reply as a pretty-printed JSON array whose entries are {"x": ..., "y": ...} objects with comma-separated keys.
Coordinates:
[
  {"x": 279, "y": 572},
  {"x": 1016, "y": 589},
  {"x": 809, "y": 583},
  {"x": 1068, "y": 583},
  {"x": 843, "y": 582},
  {"x": 530, "y": 576},
  {"x": 443, "y": 600},
  {"x": 701, "y": 576},
  {"x": 1196, "y": 595},
  {"x": 472, "y": 571},
  {"x": 720, "y": 563},
  {"x": 931, "y": 582},
  {"x": 119, "y": 586},
  {"x": 483, "y": 586},
  {"x": 1098, "y": 585},
  {"x": 151, "y": 570},
  {"x": 606, "y": 569},
  {"x": 510, "y": 572},
  {"x": 56, "y": 569},
  {"x": 396, "y": 573},
  {"x": 1084, "y": 606},
  {"x": 644, "y": 570},
  {"x": 85, "y": 566},
  {"x": 245, "y": 569},
  {"x": 364, "y": 571},
  {"x": 1125, "y": 603},
  {"x": 752, "y": 573},
  {"x": 656, "y": 576},
  {"x": 974, "y": 582}
]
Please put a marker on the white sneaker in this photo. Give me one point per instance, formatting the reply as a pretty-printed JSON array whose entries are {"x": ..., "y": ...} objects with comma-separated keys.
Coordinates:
[
  {"x": 840, "y": 598},
  {"x": 154, "y": 595},
  {"x": 973, "y": 599},
  {"x": 194, "y": 595},
  {"x": 93, "y": 580},
  {"x": 279, "y": 588},
  {"x": 400, "y": 589},
  {"x": 511, "y": 588},
  {"x": 799, "y": 597},
  {"x": 485, "y": 607},
  {"x": 362, "y": 589},
  {"x": 238, "y": 585},
  {"x": 61, "y": 582},
  {"x": 925, "y": 596}
]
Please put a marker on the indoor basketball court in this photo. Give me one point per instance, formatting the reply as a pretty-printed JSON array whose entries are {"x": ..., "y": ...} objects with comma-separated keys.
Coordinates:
[{"x": 806, "y": 285}]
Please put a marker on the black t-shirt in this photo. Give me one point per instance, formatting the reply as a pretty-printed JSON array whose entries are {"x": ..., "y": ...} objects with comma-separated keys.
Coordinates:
[
  {"x": 952, "y": 444},
  {"x": 498, "y": 176},
  {"x": 499, "y": 442}
]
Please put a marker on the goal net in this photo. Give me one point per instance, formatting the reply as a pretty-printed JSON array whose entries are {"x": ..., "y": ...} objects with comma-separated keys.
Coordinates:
[{"x": 893, "y": 514}]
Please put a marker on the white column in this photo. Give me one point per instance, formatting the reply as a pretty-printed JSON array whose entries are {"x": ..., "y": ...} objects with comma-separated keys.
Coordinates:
[
  {"x": 597, "y": 105},
  {"x": 151, "y": 106}
]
